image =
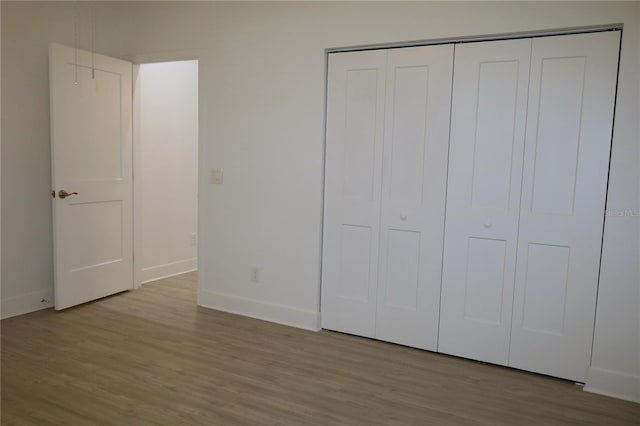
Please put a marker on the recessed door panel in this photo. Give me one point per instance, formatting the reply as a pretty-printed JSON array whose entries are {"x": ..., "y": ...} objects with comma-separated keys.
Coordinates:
[
  {"x": 545, "y": 288},
  {"x": 96, "y": 138},
  {"x": 360, "y": 133},
  {"x": 411, "y": 91},
  {"x": 418, "y": 96},
  {"x": 355, "y": 263},
  {"x": 568, "y": 140},
  {"x": 494, "y": 134},
  {"x": 483, "y": 192},
  {"x": 561, "y": 91},
  {"x": 403, "y": 267},
  {"x": 484, "y": 280},
  {"x": 104, "y": 221}
]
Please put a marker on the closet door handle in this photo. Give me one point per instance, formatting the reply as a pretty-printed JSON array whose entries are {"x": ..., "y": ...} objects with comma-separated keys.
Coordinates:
[
  {"x": 487, "y": 224},
  {"x": 403, "y": 217}
]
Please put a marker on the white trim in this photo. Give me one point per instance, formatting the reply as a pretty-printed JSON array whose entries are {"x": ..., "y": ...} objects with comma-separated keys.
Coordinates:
[
  {"x": 487, "y": 37},
  {"x": 137, "y": 183},
  {"x": 167, "y": 270},
  {"x": 25, "y": 303},
  {"x": 308, "y": 320},
  {"x": 613, "y": 383},
  {"x": 168, "y": 56}
]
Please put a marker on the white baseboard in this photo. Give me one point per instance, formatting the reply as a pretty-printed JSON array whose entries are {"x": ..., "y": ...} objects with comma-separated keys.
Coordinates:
[
  {"x": 167, "y": 270},
  {"x": 613, "y": 383},
  {"x": 25, "y": 303},
  {"x": 308, "y": 320}
]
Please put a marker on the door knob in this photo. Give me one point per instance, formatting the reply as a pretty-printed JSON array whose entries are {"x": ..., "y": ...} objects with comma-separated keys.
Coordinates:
[
  {"x": 403, "y": 217},
  {"x": 487, "y": 224},
  {"x": 64, "y": 194}
]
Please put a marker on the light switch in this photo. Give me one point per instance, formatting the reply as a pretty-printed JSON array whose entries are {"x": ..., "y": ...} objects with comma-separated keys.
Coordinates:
[{"x": 216, "y": 176}]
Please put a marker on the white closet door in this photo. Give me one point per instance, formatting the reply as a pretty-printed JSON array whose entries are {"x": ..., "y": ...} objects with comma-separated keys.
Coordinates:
[
  {"x": 483, "y": 198},
  {"x": 416, "y": 139},
  {"x": 353, "y": 164},
  {"x": 569, "y": 125}
]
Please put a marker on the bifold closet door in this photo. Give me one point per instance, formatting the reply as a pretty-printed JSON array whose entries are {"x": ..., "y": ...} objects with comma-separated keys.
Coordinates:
[
  {"x": 353, "y": 177},
  {"x": 568, "y": 139},
  {"x": 488, "y": 121},
  {"x": 416, "y": 140},
  {"x": 385, "y": 183}
]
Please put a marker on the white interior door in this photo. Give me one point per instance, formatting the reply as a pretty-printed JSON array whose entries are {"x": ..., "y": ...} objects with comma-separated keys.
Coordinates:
[
  {"x": 483, "y": 198},
  {"x": 353, "y": 164},
  {"x": 568, "y": 139},
  {"x": 416, "y": 140},
  {"x": 91, "y": 157}
]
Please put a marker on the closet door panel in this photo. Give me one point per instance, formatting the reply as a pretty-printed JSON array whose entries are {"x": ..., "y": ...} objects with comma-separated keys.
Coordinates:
[
  {"x": 418, "y": 99},
  {"x": 490, "y": 91},
  {"x": 568, "y": 139},
  {"x": 353, "y": 173}
]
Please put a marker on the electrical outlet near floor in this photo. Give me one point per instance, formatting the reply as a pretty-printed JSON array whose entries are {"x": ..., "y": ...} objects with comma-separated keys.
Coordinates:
[{"x": 255, "y": 274}]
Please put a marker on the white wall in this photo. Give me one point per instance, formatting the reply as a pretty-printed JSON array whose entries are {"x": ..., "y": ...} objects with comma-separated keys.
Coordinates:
[
  {"x": 166, "y": 132},
  {"x": 262, "y": 82}
]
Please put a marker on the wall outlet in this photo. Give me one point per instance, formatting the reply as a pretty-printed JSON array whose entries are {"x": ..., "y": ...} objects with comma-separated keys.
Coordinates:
[
  {"x": 255, "y": 274},
  {"x": 193, "y": 239}
]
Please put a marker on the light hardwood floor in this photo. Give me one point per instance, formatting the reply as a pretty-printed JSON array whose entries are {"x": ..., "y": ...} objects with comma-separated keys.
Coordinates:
[{"x": 151, "y": 357}]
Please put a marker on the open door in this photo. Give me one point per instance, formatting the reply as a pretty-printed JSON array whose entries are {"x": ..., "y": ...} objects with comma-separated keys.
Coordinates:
[{"x": 91, "y": 162}]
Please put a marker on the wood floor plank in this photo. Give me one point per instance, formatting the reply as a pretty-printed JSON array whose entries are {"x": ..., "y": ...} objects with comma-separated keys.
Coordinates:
[{"x": 152, "y": 357}]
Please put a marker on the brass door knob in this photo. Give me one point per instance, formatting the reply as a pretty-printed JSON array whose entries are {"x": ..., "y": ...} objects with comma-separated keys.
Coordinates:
[{"x": 64, "y": 194}]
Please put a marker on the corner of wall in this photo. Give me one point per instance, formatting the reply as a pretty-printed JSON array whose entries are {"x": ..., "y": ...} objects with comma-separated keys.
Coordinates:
[{"x": 25, "y": 303}]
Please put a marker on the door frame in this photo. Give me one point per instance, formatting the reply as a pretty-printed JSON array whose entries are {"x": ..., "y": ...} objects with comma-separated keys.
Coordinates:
[
  {"x": 476, "y": 38},
  {"x": 150, "y": 58}
]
